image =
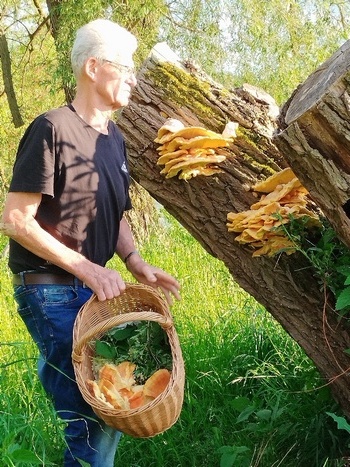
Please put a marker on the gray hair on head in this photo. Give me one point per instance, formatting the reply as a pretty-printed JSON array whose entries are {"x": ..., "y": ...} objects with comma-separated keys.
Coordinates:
[{"x": 102, "y": 39}]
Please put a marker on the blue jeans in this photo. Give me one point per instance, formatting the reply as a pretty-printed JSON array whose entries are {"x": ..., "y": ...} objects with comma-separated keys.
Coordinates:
[{"x": 48, "y": 312}]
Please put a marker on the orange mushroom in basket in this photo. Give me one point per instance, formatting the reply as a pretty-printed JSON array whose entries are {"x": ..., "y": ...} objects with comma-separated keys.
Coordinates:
[
  {"x": 137, "y": 399},
  {"x": 157, "y": 383},
  {"x": 113, "y": 395},
  {"x": 117, "y": 388},
  {"x": 121, "y": 376},
  {"x": 95, "y": 390}
]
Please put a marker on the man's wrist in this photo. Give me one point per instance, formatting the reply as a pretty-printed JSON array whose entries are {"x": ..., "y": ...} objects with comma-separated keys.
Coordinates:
[{"x": 129, "y": 255}]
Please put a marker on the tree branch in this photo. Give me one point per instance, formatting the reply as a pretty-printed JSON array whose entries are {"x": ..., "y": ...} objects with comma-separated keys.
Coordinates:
[{"x": 8, "y": 83}]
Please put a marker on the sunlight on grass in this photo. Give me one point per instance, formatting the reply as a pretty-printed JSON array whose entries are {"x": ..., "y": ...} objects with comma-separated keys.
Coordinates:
[
  {"x": 245, "y": 377},
  {"x": 251, "y": 394}
]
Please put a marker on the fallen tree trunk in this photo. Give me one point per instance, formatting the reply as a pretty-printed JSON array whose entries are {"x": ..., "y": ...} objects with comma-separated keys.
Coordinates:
[
  {"x": 285, "y": 285},
  {"x": 314, "y": 136}
]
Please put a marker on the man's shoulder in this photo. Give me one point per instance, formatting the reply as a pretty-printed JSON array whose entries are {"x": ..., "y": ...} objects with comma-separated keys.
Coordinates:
[
  {"x": 58, "y": 115},
  {"x": 115, "y": 130}
]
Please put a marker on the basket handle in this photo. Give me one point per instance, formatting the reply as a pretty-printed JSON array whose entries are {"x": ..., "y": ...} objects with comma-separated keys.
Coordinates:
[{"x": 163, "y": 321}]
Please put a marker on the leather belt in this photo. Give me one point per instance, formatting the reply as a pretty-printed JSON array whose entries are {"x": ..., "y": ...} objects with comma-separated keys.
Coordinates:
[{"x": 31, "y": 278}]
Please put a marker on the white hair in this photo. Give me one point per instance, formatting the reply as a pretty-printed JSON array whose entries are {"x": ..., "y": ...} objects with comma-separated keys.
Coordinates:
[{"x": 102, "y": 39}]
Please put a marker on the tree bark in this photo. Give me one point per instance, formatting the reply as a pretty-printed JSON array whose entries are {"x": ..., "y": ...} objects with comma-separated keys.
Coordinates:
[
  {"x": 54, "y": 7},
  {"x": 314, "y": 136},
  {"x": 8, "y": 83},
  {"x": 286, "y": 285}
]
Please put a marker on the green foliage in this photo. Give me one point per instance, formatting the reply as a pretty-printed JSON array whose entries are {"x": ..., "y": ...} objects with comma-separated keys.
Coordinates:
[
  {"x": 29, "y": 430},
  {"x": 251, "y": 394},
  {"x": 271, "y": 44},
  {"x": 328, "y": 256},
  {"x": 16, "y": 455},
  {"x": 248, "y": 385},
  {"x": 342, "y": 424},
  {"x": 143, "y": 343},
  {"x": 141, "y": 18},
  {"x": 242, "y": 369},
  {"x": 197, "y": 31},
  {"x": 235, "y": 455},
  {"x": 343, "y": 300},
  {"x": 280, "y": 42}
]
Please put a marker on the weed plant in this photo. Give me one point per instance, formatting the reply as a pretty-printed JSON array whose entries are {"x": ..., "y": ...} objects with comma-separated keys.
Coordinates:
[
  {"x": 328, "y": 256},
  {"x": 252, "y": 397}
]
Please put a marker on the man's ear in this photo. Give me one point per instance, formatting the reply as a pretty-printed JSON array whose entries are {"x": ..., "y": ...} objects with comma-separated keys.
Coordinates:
[{"x": 90, "y": 67}]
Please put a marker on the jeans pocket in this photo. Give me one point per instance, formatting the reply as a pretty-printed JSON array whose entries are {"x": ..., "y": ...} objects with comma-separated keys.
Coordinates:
[
  {"x": 61, "y": 295},
  {"x": 30, "y": 311},
  {"x": 49, "y": 312}
]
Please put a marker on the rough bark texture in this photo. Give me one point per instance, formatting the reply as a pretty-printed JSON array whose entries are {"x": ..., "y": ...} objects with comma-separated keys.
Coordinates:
[
  {"x": 54, "y": 8},
  {"x": 285, "y": 286},
  {"x": 8, "y": 84},
  {"x": 314, "y": 137}
]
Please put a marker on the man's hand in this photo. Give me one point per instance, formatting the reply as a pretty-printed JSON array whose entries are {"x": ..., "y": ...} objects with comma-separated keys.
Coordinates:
[
  {"x": 106, "y": 283},
  {"x": 154, "y": 277}
]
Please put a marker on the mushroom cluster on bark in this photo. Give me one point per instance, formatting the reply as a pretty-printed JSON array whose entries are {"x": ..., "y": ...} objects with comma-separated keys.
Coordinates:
[{"x": 191, "y": 151}]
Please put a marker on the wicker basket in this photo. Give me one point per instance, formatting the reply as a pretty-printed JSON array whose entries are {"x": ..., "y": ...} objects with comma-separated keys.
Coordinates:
[{"x": 137, "y": 303}]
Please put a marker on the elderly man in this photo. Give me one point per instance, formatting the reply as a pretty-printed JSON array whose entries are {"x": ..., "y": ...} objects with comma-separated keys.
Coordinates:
[{"x": 65, "y": 209}]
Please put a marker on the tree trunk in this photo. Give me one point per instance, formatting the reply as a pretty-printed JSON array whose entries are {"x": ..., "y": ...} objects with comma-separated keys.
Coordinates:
[
  {"x": 8, "y": 84},
  {"x": 54, "y": 8},
  {"x": 314, "y": 137},
  {"x": 285, "y": 285}
]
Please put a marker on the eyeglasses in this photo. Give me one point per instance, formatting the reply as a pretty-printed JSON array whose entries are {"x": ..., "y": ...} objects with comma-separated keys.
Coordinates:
[{"x": 126, "y": 70}]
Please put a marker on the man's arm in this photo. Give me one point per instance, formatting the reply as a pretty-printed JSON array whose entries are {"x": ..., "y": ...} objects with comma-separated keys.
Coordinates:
[
  {"x": 142, "y": 271},
  {"x": 19, "y": 223},
  {"x": 125, "y": 244}
]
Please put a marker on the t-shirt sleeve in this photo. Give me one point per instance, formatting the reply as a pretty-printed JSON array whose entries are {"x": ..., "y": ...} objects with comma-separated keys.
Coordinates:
[
  {"x": 128, "y": 205},
  {"x": 33, "y": 170},
  {"x": 128, "y": 202}
]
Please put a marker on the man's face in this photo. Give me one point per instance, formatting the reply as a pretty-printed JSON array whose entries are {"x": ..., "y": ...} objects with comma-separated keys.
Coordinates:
[{"x": 115, "y": 82}]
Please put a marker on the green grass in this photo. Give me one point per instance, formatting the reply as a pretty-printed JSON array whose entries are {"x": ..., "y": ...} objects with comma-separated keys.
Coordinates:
[{"x": 252, "y": 397}]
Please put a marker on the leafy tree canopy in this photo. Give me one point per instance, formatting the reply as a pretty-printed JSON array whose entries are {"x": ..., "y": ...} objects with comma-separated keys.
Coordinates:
[{"x": 273, "y": 44}]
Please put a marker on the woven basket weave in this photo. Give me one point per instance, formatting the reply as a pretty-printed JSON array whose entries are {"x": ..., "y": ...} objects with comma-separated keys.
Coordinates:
[{"x": 138, "y": 303}]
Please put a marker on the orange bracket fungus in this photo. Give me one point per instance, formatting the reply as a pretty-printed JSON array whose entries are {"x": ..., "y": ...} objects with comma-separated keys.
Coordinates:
[
  {"x": 117, "y": 388},
  {"x": 283, "y": 197},
  {"x": 191, "y": 151}
]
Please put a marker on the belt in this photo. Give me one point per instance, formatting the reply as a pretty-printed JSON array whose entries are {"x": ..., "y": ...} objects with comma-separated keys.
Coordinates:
[{"x": 30, "y": 278}]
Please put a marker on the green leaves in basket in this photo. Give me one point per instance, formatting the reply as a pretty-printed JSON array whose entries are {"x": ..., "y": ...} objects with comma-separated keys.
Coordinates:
[
  {"x": 143, "y": 343},
  {"x": 120, "y": 333},
  {"x": 105, "y": 350},
  {"x": 114, "y": 343}
]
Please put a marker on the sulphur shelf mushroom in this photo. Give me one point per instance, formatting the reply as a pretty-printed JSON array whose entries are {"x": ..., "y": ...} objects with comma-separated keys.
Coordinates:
[
  {"x": 116, "y": 386},
  {"x": 191, "y": 151},
  {"x": 283, "y": 197}
]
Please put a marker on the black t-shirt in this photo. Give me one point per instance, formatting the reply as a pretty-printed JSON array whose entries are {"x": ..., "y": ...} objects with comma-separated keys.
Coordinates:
[{"x": 83, "y": 177}]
